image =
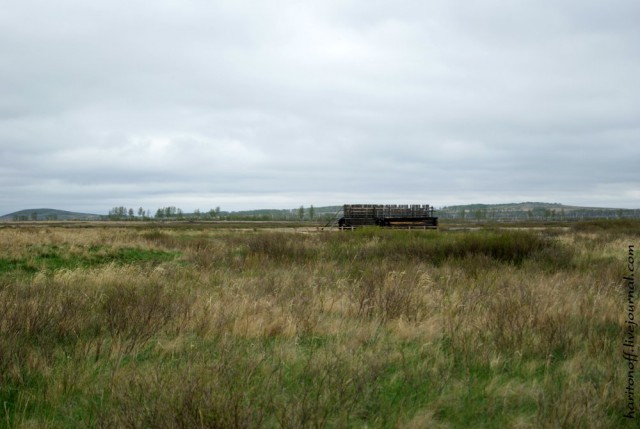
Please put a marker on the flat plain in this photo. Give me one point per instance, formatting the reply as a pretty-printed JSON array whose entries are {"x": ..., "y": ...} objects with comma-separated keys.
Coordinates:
[{"x": 197, "y": 325}]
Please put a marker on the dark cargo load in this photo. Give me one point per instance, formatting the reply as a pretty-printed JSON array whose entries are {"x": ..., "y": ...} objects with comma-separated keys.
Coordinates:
[{"x": 400, "y": 216}]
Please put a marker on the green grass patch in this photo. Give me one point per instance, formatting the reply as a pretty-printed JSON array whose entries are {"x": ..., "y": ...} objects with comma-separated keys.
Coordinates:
[
  {"x": 511, "y": 247},
  {"x": 131, "y": 256},
  {"x": 52, "y": 258},
  {"x": 629, "y": 227}
]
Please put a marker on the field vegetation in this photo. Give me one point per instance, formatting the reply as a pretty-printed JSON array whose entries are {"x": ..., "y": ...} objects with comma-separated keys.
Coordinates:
[{"x": 193, "y": 326}]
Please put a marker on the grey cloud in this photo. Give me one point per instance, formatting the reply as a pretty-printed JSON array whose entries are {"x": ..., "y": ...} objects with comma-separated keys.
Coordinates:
[{"x": 318, "y": 102}]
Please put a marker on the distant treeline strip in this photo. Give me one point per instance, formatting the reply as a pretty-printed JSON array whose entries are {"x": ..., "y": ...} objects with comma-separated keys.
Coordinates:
[
  {"x": 326, "y": 214},
  {"x": 544, "y": 214}
]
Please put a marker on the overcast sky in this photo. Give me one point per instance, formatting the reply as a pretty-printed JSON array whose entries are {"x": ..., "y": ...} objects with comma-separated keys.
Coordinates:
[{"x": 277, "y": 104}]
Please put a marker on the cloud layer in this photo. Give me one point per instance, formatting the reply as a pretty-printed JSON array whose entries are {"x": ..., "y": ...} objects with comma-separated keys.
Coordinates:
[{"x": 245, "y": 104}]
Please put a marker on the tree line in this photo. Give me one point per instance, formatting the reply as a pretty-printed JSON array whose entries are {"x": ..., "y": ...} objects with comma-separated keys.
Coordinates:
[
  {"x": 538, "y": 213},
  {"x": 175, "y": 213},
  {"x": 123, "y": 213},
  {"x": 169, "y": 212}
]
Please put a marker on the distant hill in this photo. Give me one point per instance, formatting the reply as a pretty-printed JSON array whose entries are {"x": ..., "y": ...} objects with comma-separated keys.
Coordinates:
[
  {"x": 49, "y": 214},
  {"x": 509, "y": 206},
  {"x": 533, "y": 211}
]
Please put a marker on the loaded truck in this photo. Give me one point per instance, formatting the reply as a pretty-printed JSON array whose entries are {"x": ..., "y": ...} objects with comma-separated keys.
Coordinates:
[{"x": 394, "y": 216}]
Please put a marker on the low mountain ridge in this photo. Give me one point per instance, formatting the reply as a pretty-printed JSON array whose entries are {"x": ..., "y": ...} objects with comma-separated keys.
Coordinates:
[{"x": 49, "y": 214}]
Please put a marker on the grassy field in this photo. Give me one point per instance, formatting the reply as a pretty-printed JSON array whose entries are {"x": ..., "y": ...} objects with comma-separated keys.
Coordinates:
[{"x": 152, "y": 326}]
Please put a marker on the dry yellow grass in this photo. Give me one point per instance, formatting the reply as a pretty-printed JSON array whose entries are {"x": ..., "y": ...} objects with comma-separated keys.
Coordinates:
[{"x": 176, "y": 327}]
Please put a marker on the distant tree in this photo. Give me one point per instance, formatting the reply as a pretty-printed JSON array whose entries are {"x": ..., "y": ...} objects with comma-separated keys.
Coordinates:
[
  {"x": 141, "y": 212},
  {"x": 34, "y": 215},
  {"x": 196, "y": 213},
  {"x": 121, "y": 212},
  {"x": 168, "y": 212},
  {"x": 159, "y": 213},
  {"x": 539, "y": 213},
  {"x": 312, "y": 212},
  {"x": 301, "y": 213},
  {"x": 179, "y": 214},
  {"x": 130, "y": 213}
]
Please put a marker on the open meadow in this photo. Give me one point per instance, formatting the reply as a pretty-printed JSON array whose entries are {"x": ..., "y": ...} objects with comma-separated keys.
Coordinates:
[{"x": 193, "y": 325}]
